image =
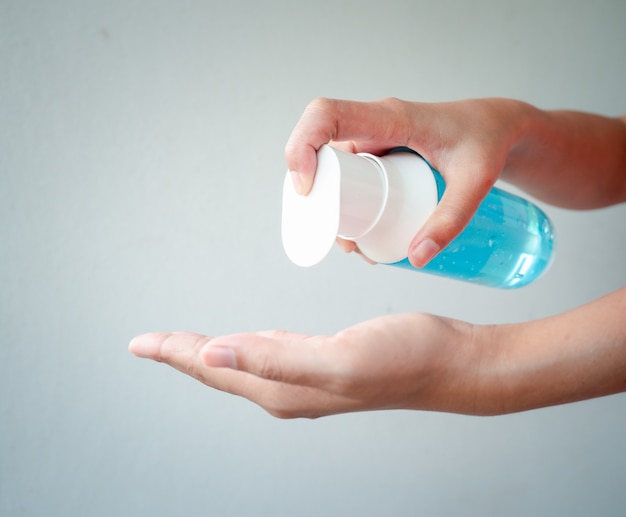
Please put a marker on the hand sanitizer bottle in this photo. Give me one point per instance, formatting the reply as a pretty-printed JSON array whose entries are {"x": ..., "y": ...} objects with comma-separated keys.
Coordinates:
[{"x": 380, "y": 203}]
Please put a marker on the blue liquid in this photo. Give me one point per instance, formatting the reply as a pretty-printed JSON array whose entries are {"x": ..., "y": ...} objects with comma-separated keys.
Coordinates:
[{"x": 508, "y": 243}]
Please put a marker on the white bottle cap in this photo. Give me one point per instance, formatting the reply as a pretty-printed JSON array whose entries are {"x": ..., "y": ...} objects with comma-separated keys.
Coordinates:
[{"x": 379, "y": 203}]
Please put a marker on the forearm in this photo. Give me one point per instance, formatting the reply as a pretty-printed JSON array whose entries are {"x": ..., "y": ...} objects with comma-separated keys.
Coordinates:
[
  {"x": 569, "y": 158},
  {"x": 577, "y": 355}
]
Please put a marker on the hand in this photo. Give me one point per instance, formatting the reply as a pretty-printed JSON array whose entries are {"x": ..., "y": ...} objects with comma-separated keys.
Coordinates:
[
  {"x": 411, "y": 361},
  {"x": 566, "y": 158},
  {"x": 467, "y": 141}
]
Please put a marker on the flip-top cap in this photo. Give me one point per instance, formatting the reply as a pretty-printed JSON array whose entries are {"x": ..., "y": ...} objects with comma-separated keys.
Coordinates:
[
  {"x": 347, "y": 198},
  {"x": 378, "y": 202}
]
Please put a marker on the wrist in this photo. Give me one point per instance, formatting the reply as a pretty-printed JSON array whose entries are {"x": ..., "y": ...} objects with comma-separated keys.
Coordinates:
[
  {"x": 526, "y": 123},
  {"x": 480, "y": 375},
  {"x": 523, "y": 119},
  {"x": 459, "y": 375}
]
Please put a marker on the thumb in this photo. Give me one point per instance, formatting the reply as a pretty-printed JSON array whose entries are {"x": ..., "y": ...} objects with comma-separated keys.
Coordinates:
[
  {"x": 457, "y": 207},
  {"x": 276, "y": 355}
]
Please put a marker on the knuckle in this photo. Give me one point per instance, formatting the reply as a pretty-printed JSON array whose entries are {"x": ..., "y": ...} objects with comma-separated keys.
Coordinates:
[
  {"x": 398, "y": 124},
  {"x": 167, "y": 348},
  {"x": 393, "y": 104},
  {"x": 182, "y": 350},
  {"x": 192, "y": 366},
  {"x": 322, "y": 104},
  {"x": 451, "y": 221},
  {"x": 321, "y": 117},
  {"x": 278, "y": 334}
]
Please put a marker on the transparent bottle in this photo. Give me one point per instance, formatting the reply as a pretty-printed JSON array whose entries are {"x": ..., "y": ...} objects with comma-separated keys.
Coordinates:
[{"x": 380, "y": 203}]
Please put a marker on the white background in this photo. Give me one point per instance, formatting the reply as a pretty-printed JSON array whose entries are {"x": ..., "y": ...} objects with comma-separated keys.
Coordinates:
[{"x": 141, "y": 163}]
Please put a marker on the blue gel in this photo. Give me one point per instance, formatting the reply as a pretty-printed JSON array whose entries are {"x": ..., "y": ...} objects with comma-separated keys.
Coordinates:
[{"x": 508, "y": 244}]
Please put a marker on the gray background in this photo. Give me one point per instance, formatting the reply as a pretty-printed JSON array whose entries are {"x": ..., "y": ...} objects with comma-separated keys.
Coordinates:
[{"x": 141, "y": 161}]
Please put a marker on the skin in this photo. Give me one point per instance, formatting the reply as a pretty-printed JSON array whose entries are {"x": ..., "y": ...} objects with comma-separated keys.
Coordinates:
[
  {"x": 411, "y": 361},
  {"x": 566, "y": 158},
  {"x": 422, "y": 361}
]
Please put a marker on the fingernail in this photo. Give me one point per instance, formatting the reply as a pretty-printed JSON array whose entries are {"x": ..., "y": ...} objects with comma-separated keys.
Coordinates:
[
  {"x": 297, "y": 181},
  {"x": 423, "y": 252},
  {"x": 219, "y": 357}
]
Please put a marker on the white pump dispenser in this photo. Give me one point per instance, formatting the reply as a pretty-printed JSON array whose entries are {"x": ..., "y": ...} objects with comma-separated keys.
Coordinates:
[{"x": 377, "y": 202}]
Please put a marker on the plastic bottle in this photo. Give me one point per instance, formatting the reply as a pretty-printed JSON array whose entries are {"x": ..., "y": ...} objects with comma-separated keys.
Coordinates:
[{"x": 380, "y": 203}]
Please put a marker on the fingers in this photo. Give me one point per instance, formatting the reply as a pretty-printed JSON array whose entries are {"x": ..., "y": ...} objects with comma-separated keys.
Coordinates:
[
  {"x": 469, "y": 141},
  {"x": 272, "y": 355},
  {"x": 350, "y": 247},
  {"x": 184, "y": 352},
  {"x": 194, "y": 355},
  {"x": 464, "y": 192},
  {"x": 361, "y": 126},
  {"x": 276, "y": 356},
  {"x": 346, "y": 246},
  {"x": 178, "y": 349}
]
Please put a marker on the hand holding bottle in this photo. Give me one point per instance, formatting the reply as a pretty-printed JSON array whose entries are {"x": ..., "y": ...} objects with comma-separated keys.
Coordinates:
[
  {"x": 467, "y": 143},
  {"x": 471, "y": 143}
]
